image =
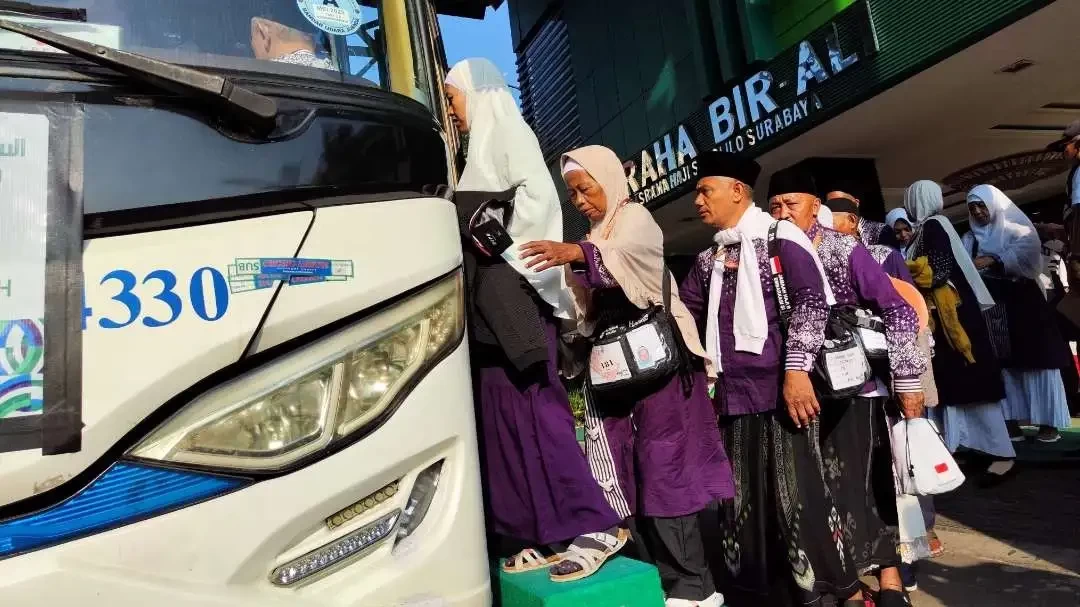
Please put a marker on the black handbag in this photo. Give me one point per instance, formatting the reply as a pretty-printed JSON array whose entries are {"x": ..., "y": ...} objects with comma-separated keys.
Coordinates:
[
  {"x": 640, "y": 353},
  {"x": 841, "y": 368}
]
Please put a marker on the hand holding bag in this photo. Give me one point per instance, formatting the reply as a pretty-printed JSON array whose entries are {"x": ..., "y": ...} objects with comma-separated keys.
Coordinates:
[{"x": 921, "y": 461}]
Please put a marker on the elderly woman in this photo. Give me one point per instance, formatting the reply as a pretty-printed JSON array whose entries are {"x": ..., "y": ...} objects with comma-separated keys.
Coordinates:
[
  {"x": 855, "y": 451},
  {"x": 1008, "y": 254},
  {"x": 968, "y": 375},
  {"x": 897, "y": 219},
  {"x": 655, "y": 449},
  {"x": 539, "y": 487}
]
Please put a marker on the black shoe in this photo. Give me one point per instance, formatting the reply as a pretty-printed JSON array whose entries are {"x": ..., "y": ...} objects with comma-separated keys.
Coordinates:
[
  {"x": 892, "y": 598},
  {"x": 907, "y": 575},
  {"x": 987, "y": 479}
]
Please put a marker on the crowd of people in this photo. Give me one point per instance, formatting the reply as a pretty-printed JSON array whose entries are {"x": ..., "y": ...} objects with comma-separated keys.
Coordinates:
[{"x": 718, "y": 395}]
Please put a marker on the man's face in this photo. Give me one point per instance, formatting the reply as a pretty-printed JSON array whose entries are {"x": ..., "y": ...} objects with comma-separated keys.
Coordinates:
[
  {"x": 1072, "y": 150},
  {"x": 721, "y": 201},
  {"x": 845, "y": 222},
  {"x": 800, "y": 209}
]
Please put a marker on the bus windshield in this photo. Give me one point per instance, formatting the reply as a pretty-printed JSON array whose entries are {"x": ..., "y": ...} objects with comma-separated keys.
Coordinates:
[{"x": 339, "y": 40}]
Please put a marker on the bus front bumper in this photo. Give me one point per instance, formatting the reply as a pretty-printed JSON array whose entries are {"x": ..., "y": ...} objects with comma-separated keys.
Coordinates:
[{"x": 223, "y": 551}]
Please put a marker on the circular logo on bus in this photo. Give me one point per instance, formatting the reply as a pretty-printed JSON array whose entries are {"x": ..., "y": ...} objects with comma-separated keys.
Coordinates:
[{"x": 338, "y": 17}]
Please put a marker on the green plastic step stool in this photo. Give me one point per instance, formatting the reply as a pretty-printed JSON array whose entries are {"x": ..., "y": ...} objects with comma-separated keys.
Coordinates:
[{"x": 621, "y": 582}]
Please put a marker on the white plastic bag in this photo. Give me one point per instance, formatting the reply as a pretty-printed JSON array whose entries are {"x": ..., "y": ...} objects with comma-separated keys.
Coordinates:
[
  {"x": 914, "y": 543},
  {"x": 922, "y": 462}
]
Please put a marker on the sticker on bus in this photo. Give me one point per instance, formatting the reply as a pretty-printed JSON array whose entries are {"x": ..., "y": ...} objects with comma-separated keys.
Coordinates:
[
  {"x": 338, "y": 17},
  {"x": 256, "y": 273}
]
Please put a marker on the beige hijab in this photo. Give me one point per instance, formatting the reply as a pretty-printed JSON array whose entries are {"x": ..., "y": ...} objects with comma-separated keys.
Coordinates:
[{"x": 631, "y": 245}]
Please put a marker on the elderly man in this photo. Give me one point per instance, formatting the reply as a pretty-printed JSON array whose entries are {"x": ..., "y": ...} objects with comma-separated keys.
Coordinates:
[
  {"x": 273, "y": 41},
  {"x": 854, "y": 427},
  {"x": 782, "y": 538},
  {"x": 847, "y": 218}
]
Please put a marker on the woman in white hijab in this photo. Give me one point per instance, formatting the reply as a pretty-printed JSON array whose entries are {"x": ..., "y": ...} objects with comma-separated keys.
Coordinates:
[
  {"x": 966, "y": 369},
  {"x": 898, "y": 222},
  {"x": 539, "y": 488},
  {"x": 656, "y": 452},
  {"x": 1008, "y": 253},
  {"x": 503, "y": 154}
]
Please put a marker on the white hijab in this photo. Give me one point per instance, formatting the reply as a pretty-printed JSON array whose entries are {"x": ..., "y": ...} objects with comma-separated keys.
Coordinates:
[
  {"x": 631, "y": 245},
  {"x": 1010, "y": 236},
  {"x": 504, "y": 154},
  {"x": 750, "y": 323},
  {"x": 924, "y": 202},
  {"x": 893, "y": 216}
]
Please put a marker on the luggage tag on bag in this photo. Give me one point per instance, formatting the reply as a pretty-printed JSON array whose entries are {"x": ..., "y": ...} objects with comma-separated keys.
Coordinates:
[
  {"x": 846, "y": 368},
  {"x": 872, "y": 333},
  {"x": 648, "y": 350},
  {"x": 873, "y": 341},
  {"x": 607, "y": 363},
  {"x": 487, "y": 231}
]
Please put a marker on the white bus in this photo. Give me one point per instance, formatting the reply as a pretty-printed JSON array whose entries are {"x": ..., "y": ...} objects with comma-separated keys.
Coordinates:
[{"x": 233, "y": 366}]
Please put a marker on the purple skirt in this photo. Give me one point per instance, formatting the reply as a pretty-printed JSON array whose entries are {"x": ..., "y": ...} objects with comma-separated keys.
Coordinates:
[
  {"x": 661, "y": 456},
  {"x": 539, "y": 488}
]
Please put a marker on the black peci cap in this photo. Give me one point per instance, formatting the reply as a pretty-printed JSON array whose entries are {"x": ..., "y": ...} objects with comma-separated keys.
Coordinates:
[
  {"x": 838, "y": 179},
  {"x": 793, "y": 180},
  {"x": 725, "y": 164}
]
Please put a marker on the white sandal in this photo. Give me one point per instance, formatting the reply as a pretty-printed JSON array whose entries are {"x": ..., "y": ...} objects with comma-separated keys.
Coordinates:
[
  {"x": 590, "y": 559},
  {"x": 528, "y": 560}
]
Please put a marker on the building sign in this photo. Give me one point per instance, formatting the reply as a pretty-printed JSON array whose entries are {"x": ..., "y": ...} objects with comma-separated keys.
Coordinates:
[
  {"x": 770, "y": 105},
  {"x": 1009, "y": 172}
]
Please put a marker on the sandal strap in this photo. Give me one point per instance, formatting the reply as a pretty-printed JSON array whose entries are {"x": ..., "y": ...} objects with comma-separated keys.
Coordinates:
[
  {"x": 604, "y": 538},
  {"x": 588, "y": 558},
  {"x": 526, "y": 557}
]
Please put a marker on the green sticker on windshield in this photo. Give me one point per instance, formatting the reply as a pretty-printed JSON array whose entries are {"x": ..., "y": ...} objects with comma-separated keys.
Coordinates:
[{"x": 338, "y": 17}]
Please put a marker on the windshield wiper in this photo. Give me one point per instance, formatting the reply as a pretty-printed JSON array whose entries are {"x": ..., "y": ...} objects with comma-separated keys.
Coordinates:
[
  {"x": 257, "y": 112},
  {"x": 36, "y": 10}
]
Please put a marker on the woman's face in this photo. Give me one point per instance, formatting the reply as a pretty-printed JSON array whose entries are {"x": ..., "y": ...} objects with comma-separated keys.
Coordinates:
[
  {"x": 902, "y": 229},
  {"x": 455, "y": 98},
  {"x": 587, "y": 195},
  {"x": 979, "y": 213}
]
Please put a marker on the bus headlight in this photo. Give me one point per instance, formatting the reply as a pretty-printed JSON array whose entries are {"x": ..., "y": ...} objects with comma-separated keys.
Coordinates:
[{"x": 308, "y": 400}]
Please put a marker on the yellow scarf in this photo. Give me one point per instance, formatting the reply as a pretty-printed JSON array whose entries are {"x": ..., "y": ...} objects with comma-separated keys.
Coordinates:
[{"x": 945, "y": 299}]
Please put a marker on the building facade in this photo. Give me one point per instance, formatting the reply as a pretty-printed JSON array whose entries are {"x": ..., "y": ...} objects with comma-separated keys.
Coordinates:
[{"x": 888, "y": 91}]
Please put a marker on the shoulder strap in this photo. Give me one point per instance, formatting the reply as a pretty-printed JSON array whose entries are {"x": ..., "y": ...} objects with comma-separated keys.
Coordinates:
[
  {"x": 780, "y": 291},
  {"x": 666, "y": 289}
]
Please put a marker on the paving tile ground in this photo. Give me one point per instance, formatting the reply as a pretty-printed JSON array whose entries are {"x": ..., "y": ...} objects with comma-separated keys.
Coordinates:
[{"x": 1014, "y": 544}]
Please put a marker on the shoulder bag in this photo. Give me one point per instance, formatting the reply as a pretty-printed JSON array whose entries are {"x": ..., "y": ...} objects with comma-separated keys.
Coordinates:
[
  {"x": 638, "y": 353},
  {"x": 841, "y": 368}
]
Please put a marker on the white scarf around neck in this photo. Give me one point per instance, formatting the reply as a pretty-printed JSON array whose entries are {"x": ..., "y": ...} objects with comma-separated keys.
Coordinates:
[{"x": 751, "y": 325}]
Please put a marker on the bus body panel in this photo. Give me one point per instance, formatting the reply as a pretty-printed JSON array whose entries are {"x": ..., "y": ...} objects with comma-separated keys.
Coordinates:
[
  {"x": 404, "y": 243},
  {"x": 131, "y": 370}
]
